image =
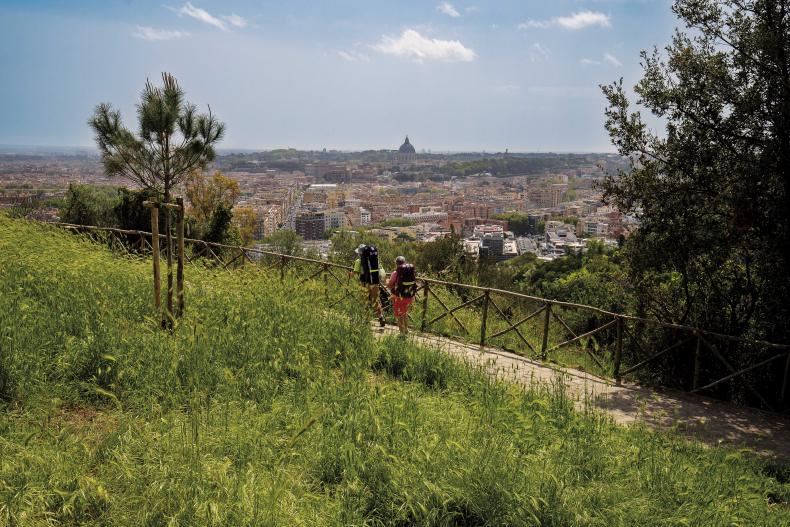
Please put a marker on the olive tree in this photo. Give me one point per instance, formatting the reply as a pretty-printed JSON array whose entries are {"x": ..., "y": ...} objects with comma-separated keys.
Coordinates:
[{"x": 711, "y": 187}]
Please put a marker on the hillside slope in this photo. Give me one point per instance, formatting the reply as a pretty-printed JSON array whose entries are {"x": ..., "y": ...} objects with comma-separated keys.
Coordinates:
[{"x": 261, "y": 409}]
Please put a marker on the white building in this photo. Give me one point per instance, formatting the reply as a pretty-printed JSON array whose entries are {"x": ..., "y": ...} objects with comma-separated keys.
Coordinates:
[
  {"x": 334, "y": 219},
  {"x": 481, "y": 230}
]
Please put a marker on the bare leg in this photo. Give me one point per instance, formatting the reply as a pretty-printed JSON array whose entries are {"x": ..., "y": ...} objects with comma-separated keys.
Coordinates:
[
  {"x": 375, "y": 302},
  {"x": 403, "y": 323}
]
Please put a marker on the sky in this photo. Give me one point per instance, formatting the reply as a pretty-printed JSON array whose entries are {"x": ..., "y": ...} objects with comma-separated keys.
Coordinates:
[{"x": 472, "y": 75}]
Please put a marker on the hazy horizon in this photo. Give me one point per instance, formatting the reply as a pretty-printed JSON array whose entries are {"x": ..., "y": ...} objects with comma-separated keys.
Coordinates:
[{"x": 56, "y": 149}]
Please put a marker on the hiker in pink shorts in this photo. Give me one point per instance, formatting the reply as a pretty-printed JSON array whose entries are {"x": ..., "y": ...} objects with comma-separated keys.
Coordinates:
[{"x": 403, "y": 284}]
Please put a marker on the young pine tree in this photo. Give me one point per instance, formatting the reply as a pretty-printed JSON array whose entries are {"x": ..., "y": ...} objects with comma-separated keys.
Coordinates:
[{"x": 172, "y": 140}]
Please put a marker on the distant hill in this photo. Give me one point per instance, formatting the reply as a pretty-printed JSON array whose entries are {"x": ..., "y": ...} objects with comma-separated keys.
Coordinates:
[{"x": 46, "y": 151}]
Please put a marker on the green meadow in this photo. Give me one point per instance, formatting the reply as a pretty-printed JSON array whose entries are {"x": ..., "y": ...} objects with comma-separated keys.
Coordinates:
[{"x": 264, "y": 407}]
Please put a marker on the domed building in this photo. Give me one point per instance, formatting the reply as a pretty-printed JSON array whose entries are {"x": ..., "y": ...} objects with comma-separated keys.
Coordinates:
[{"x": 406, "y": 152}]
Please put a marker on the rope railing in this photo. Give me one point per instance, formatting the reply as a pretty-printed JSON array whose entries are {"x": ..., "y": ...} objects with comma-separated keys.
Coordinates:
[{"x": 695, "y": 360}]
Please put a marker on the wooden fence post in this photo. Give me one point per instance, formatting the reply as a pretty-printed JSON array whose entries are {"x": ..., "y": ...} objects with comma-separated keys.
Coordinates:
[
  {"x": 180, "y": 264},
  {"x": 484, "y": 320},
  {"x": 425, "y": 291},
  {"x": 618, "y": 353},
  {"x": 697, "y": 362},
  {"x": 546, "y": 321},
  {"x": 283, "y": 263},
  {"x": 155, "y": 253}
]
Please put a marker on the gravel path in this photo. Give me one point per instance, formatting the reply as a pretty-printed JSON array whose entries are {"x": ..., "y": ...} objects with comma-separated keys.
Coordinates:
[{"x": 701, "y": 418}]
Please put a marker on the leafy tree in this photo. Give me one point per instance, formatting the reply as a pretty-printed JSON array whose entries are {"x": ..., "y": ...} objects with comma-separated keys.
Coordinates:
[
  {"x": 438, "y": 256},
  {"x": 396, "y": 222},
  {"x": 205, "y": 194},
  {"x": 570, "y": 220},
  {"x": 107, "y": 207},
  {"x": 220, "y": 228},
  {"x": 90, "y": 205},
  {"x": 129, "y": 211},
  {"x": 245, "y": 220},
  {"x": 343, "y": 244},
  {"x": 712, "y": 190},
  {"x": 518, "y": 222},
  {"x": 285, "y": 242},
  {"x": 172, "y": 141}
]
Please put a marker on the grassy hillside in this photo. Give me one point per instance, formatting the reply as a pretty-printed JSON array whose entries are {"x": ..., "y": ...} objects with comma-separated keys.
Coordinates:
[{"x": 264, "y": 409}]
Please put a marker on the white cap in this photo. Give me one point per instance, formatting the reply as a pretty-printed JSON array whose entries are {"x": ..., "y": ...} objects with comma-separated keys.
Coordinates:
[{"x": 358, "y": 250}]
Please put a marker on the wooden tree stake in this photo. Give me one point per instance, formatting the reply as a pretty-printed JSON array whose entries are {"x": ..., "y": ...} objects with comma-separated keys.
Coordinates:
[
  {"x": 155, "y": 252},
  {"x": 180, "y": 268}
]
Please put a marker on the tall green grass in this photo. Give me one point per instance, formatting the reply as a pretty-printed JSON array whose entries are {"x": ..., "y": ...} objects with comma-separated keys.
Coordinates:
[{"x": 265, "y": 408}]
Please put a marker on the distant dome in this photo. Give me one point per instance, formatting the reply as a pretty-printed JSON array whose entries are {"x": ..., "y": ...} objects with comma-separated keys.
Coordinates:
[{"x": 407, "y": 147}]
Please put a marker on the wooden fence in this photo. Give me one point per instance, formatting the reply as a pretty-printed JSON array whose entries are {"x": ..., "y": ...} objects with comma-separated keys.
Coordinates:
[{"x": 605, "y": 343}]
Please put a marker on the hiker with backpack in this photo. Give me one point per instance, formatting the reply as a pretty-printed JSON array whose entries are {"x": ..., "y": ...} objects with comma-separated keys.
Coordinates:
[
  {"x": 371, "y": 274},
  {"x": 403, "y": 285}
]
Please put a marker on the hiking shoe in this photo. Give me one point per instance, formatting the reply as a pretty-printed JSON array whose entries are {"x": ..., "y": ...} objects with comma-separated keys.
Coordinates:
[{"x": 382, "y": 323}]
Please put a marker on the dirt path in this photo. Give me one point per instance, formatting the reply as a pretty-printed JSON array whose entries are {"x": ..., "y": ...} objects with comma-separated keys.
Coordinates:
[{"x": 701, "y": 418}]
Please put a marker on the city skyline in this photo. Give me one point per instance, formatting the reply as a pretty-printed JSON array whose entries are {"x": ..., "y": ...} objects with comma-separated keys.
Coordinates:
[{"x": 455, "y": 76}]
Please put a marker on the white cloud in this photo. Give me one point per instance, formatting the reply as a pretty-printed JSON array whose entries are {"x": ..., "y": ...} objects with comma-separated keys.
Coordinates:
[
  {"x": 235, "y": 20},
  {"x": 584, "y": 19},
  {"x": 448, "y": 9},
  {"x": 202, "y": 15},
  {"x": 149, "y": 33},
  {"x": 471, "y": 9},
  {"x": 575, "y": 21},
  {"x": 413, "y": 46},
  {"x": 608, "y": 58},
  {"x": 611, "y": 59},
  {"x": 353, "y": 56},
  {"x": 535, "y": 24},
  {"x": 538, "y": 52}
]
